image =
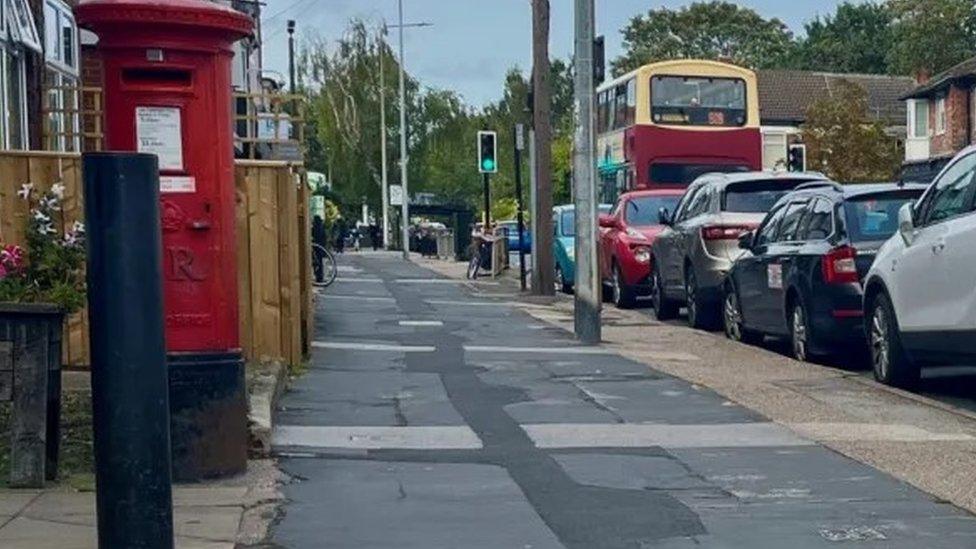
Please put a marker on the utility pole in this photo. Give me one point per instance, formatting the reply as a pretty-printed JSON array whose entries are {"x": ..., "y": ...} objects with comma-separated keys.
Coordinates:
[
  {"x": 291, "y": 55},
  {"x": 404, "y": 155},
  {"x": 385, "y": 191},
  {"x": 587, "y": 298},
  {"x": 519, "y": 147},
  {"x": 543, "y": 269}
]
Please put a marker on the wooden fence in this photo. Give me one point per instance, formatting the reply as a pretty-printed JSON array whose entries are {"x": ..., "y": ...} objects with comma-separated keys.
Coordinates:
[{"x": 273, "y": 235}]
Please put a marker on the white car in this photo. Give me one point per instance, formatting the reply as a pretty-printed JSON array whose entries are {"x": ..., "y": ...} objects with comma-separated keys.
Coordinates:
[{"x": 920, "y": 294}]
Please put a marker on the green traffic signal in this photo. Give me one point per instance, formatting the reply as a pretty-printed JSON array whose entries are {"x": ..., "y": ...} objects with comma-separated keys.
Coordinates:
[{"x": 488, "y": 164}]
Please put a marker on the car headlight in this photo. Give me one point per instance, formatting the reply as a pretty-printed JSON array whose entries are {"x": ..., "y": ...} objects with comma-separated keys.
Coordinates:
[
  {"x": 635, "y": 234},
  {"x": 642, "y": 254},
  {"x": 571, "y": 252}
]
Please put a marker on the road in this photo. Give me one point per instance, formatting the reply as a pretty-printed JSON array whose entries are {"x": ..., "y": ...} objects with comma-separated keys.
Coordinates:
[{"x": 434, "y": 414}]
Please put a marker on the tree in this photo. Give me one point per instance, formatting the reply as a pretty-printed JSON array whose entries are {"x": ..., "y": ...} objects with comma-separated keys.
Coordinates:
[
  {"x": 705, "y": 30},
  {"x": 857, "y": 38},
  {"x": 931, "y": 35},
  {"x": 845, "y": 143}
]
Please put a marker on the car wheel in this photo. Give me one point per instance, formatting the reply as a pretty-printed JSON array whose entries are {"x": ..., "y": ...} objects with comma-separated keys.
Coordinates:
[
  {"x": 799, "y": 332},
  {"x": 623, "y": 295},
  {"x": 732, "y": 316},
  {"x": 891, "y": 364},
  {"x": 664, "y": 308},
  {"x": 700, "y": 315}
]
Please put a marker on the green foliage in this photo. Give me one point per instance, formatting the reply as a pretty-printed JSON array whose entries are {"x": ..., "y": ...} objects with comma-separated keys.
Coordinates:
[
  {"x": 931, "y": 35},
  {"x": 857, "y": 38},
  {"x": 705, "y": 30},
  {"x": 845, "y": 143},
  {"x": 51, "y": 268}
]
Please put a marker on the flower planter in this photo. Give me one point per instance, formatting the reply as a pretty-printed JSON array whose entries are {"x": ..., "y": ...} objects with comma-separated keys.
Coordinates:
[{"x": 30, "y": 377}]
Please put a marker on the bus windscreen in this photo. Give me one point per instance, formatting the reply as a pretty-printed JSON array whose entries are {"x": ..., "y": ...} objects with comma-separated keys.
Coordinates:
[{"x": 698, "y": 101}]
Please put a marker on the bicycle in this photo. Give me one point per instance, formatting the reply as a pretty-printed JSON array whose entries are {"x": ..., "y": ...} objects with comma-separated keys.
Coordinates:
[
  {"x": 478, "y": 254},
  {"x": 323, "y": 266}
]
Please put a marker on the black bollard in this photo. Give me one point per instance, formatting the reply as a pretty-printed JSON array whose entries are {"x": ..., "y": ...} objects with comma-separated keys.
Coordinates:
[{"x": 130, "y": 398}]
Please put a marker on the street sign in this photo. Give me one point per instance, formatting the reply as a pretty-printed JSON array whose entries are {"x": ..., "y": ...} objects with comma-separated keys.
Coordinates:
[
  {"x": 520, "y": 137},
  {"x": 487, "y": 152},
  {"x": 396, "y": 195}
]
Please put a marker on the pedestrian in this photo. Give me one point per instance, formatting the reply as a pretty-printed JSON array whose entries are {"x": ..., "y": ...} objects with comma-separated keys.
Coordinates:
[
  {"x": 374, "y": 236},
  {"x": 319, "y": 238},
  {"x": 340, "y": 241}
]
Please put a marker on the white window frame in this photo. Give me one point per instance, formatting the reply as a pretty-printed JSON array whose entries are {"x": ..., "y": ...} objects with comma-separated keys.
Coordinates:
[
  {"x": 21, "y": 25},
  {"x": 913, "y": 108},
  {"x": 18, "y": 57},
  {"x": 941, "y": 121},
  {"x": 55, "y": 59}
]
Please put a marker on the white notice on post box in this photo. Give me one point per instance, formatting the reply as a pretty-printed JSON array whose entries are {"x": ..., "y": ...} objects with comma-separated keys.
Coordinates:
[
  {"x": 159, "y": 132},
  {"x": 177, "y": 184}
]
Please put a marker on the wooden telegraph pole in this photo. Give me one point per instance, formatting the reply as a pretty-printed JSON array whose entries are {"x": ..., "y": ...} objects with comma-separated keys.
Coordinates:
[{"x": 543, "y": 268}]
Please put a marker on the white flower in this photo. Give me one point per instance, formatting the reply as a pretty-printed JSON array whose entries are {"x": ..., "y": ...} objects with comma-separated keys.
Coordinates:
[
  {"x": 78, "y": 227},
  {"x": 70, "y": 238},
  {"x": 47, "y": 228},
  {"x": 25, "y": 190},
  {"x": 58, "y": 190},
  {"x": 41, "y": 216}
]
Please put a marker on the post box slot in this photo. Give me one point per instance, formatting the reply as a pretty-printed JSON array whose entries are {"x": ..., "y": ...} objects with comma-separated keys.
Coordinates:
[{"x": 157, "y": 77}]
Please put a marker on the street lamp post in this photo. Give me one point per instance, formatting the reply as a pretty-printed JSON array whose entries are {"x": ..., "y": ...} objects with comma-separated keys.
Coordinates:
[
  {"x": 404, "y": 156},
  {"x": 385, "y": 191}
]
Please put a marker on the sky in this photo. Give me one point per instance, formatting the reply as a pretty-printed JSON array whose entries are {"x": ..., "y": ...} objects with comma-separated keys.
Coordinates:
[{"x": 473, "y": 43}]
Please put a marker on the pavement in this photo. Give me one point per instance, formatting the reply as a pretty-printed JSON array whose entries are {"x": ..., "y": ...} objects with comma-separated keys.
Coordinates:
[
  {"x": 442, "y": 413},
  {"x": 213, "y": 515}
]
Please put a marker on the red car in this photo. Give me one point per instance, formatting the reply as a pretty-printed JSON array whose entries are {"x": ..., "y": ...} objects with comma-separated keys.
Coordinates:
[{"x": 626, "y": 235}]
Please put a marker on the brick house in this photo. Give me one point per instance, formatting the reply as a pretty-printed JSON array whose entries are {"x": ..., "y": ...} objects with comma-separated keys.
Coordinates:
[
  {"x": 786, "y": 95},
  {"x": 940, "y": 117}
]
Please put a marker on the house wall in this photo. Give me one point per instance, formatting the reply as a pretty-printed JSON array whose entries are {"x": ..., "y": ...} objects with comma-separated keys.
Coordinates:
[{"x": 956, "y": 136}]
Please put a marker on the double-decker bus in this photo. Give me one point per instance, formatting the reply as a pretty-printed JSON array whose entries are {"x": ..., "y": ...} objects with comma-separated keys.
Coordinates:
[{"x": 664, "y": 124}]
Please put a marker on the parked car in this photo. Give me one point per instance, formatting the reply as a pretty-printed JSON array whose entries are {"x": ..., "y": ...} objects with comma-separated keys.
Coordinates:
[
  {"x": 626, "y": 235},
  {"x": 802, "y": 271},
  {"x": 695, "y": 251},
  {"x": 564, "y": 244},
  {"x": 920, "y": 294},
  {"x": 510, "y": 229}
]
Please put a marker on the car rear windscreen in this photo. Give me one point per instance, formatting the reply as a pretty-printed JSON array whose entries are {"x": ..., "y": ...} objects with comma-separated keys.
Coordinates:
[
  {"x": 675, "y": 173},
  {"x": 757, "y": 196},
  {"x": 874, "y": 218},
  {"x": 644, "y": 210},
  {"x": 568, "y": 221}
]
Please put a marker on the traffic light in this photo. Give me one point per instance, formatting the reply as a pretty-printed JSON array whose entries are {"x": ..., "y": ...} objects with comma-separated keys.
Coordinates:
[
  {"x": 797, "y": 158},
  {"x": 599, "y": 60},
  {"x": 487, "y": 152}
]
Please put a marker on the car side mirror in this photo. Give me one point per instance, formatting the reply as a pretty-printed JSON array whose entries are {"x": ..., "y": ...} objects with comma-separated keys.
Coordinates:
[
  {"x": 664, "y": 217},
  {"x": 607, "y": 221},
  {"x": 906, "y": 223},
  {"x": 746, "y": 239}
]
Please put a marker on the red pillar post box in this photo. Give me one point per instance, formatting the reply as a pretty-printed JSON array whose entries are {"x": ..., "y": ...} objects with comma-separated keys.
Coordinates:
[{"x": 167, "y": 72}]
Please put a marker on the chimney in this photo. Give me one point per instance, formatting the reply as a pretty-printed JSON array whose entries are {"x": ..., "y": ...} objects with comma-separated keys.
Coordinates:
[{"x": 922, "y": 76}]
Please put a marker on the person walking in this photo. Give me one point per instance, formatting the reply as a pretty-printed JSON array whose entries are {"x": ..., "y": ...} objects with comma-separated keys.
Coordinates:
[
  {"x": 319, "y": 239},
  {"x": 340, "y": 236},
  {"x": 374, "y": 236}
]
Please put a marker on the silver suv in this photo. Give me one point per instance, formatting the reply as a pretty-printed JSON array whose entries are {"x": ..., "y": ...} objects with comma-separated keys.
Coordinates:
[{"x": 691, "y": 257}]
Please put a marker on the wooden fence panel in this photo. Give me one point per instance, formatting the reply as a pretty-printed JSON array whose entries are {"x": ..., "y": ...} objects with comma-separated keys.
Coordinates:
[{"x": 272, "y": 238}]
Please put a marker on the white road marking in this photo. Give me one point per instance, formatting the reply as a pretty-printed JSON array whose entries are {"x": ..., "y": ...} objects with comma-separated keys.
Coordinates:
[
  {"x": 378, "y": 438},
  {"x": 381, "y": 347},
  {"x": 485, "y": 303},
  {"x": 360, "y": 280},
  {"x": 359, "y": 298},
  {"x": 736, "y": 435},
  {"x": 538, "y": 350},
  {"x": 348, "y": 269},
  {"x": 421, "y": 323},
  {"x": 874, "y": 432},
  {"x": 441, "y": 281}
]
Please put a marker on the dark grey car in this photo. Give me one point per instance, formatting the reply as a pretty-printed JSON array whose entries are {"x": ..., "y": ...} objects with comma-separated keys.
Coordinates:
[{"x": 693, "y": 254}]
